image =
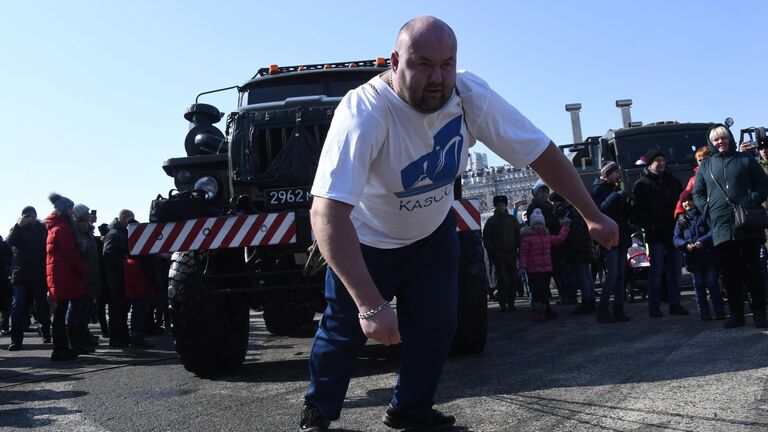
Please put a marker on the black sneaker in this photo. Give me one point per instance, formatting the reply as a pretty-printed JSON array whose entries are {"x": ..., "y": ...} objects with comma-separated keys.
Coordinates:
[
  {"x": 604, "y": 316},
  {"x": 759, "y": 320},
  {"x": 119, "y": 343},
  {"x": 678, "y": 310},
  {"x": 720, "y": 316},
  {"x": 619, "y": 315},
  {"x": 734, "y": 322},
  {"x": 435, "y": 421},
  {"x": 655, "y": 312},
  {"x": 14, "y": 347},
  {"x": 584, "y": 309},
  {"x": 706, "y": 316},
  {"x": 311, "y": 419},
  {"x": 64, "y": 354}
]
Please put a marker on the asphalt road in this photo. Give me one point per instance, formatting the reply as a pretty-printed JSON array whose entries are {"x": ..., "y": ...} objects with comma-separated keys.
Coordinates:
[{"x": 568, "y": 374}]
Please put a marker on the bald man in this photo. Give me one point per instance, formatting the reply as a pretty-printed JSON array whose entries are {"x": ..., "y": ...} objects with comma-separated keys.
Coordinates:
[{"x": 382, "y": 219}]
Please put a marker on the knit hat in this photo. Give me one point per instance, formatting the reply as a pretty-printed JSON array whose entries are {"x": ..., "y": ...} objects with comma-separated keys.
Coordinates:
[
  {"x": 500, "y": 199},
  {"x": 762, "y": 143},
  {"x": 27, "y": 210},
  {"x": 60, "y": 203},
  {"x": 652, "y": 154},
  {"x": 536, "y": 218},
  {"x": 537, "y": 187},
  {"x": 79, "y": 211},
  {"x": 556, "y": 197},
  {"x": 686, "y": 195},
  {"x": 607, "y": 168}
]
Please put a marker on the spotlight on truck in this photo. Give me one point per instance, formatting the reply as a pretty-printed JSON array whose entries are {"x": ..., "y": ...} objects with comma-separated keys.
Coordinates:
[{"x": 203, "y": 137}]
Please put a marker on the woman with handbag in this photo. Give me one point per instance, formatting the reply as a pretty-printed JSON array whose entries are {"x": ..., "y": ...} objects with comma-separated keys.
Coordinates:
[{"x": 729, "y": 189}]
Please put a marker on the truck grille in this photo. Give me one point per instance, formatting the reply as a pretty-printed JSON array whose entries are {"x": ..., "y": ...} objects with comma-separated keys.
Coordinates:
[{"x": 277, "y": 148}]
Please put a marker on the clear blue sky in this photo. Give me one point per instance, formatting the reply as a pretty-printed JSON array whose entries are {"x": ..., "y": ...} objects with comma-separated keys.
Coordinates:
[{"x": 93, "y": 92}]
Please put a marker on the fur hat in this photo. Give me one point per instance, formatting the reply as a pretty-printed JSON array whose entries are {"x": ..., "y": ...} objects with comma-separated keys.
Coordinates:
[
  {"x": 536, "y": 218},
  {"x": 652, "y": 154},
  {"x": 686, "y": 195},
  {"x": 500, "y": 199},
  {"x": 60, "y": 203},
  {"x": 607, "y": 168},
  {"x": 537, "y": 187},
  {"x": 79, "y": 211},
  {"x": 27, "y": 210}
]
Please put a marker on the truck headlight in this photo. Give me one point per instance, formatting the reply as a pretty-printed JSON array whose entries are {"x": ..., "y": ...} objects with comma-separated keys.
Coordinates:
[
  {"x": 184, "y": 177},
  {"x": 209, "y": 185}
]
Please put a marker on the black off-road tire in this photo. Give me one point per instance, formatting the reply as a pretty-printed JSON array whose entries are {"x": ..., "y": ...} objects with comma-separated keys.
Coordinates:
[
  {"x": 210, "y": 332},
  {"x": 472, "y": 325}
]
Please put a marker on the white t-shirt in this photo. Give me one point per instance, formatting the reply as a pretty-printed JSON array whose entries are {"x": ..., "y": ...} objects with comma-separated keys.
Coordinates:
[{"x": 397, "y": 166}]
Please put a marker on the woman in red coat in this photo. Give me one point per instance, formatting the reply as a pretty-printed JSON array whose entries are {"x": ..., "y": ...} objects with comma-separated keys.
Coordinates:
[{"x": 65, "y": 271}]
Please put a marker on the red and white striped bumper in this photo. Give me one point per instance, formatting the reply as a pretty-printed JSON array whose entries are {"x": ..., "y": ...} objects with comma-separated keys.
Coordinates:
[{"x": 265, "y": 229}]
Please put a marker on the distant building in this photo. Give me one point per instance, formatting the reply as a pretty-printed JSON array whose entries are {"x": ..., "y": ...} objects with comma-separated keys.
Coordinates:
[
  {"x": 487, "y": 182},
  {"x": 477, "y": 161}
]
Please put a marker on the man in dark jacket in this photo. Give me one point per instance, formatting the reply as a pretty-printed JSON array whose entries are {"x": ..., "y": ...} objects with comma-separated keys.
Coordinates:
[
  {"x": 655, "y": 196},
  {"x": 115, "y": 252},
  {"x": 501, "y": 237},
  {"x": 616, "y": 204},
  {"x": 5, "y": 289},
  {"x": 27, "y": 240},
  {"x": 577, "y": 253},
  {"x": 540, "y": 200}
]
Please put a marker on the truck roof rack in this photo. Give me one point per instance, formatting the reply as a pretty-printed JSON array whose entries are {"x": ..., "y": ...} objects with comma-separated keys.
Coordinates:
[{"x": 275, "y": 69}]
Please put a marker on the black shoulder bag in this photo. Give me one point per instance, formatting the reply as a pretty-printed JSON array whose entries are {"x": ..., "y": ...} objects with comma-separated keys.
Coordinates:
[{"x": 747, "y": 216}]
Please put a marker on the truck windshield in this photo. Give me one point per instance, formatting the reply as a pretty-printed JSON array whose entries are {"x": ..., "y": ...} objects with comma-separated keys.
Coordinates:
[
  {"x": 678, "y": 146},
  {"x": 336, "y": 87}
]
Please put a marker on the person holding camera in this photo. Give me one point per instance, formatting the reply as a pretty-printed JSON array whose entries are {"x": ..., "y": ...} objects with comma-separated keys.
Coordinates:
[
  {"x": 616, "y": 204},
  {"x": 27, "y": 242},
  {"x": 727, "y": 179}
]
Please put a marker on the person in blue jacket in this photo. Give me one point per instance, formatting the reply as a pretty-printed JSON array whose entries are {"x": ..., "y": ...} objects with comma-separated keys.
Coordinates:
[{"x": 694, "y": 239}]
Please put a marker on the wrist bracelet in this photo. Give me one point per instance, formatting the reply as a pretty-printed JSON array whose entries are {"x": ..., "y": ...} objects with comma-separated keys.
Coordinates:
[{"x": 372, "y": 312}]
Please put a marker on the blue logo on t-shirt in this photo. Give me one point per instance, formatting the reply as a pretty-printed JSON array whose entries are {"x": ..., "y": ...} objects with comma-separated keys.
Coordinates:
[{"x": 438, "y": 167}]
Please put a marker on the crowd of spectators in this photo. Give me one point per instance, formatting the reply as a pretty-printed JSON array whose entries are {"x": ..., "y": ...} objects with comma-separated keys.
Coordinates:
[
  {"x": 692, "y": 227},
  {"x": 61, "y": 274}
]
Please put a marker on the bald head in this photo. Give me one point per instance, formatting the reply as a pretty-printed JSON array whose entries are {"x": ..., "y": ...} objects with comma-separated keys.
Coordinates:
[
  {"x": 424, "y": 63},
  {"x": 424, "y": 29}
]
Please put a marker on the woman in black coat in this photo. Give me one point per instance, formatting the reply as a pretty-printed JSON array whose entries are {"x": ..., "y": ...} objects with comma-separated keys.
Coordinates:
[{"x": 740, "y": 177}]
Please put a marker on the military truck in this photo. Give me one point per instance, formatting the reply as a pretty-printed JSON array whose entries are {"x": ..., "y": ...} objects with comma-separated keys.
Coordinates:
[
  {"x": 239, "y": 226},
  {"x": 627, "y": 146}
]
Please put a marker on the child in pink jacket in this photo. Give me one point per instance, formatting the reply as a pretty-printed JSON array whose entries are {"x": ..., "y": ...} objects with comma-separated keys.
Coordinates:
[{"x": 536, "y": 261}]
